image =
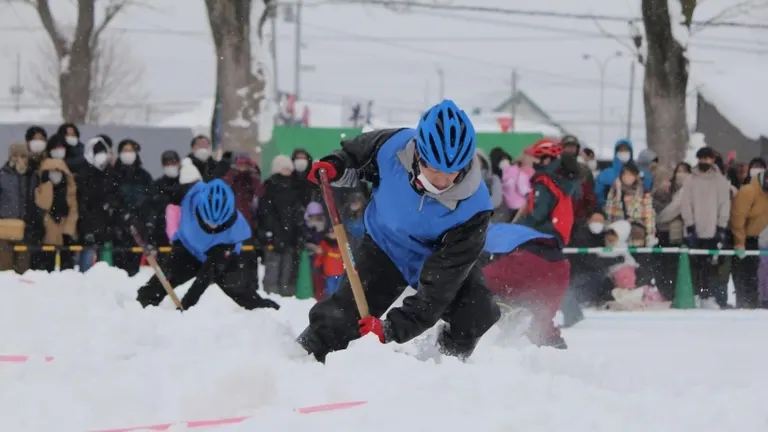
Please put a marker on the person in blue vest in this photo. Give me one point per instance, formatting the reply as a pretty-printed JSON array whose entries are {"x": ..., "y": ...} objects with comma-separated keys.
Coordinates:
[
  {"x": 207, "y": 247},
  {"x": 623, "y": 153},
  {"x": 425, "y": 226},
  {"x": 527, "y": 268}
]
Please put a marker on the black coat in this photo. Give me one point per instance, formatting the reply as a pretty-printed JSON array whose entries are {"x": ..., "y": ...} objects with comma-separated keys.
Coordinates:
[
  {"x": 97, "y": 201},
  {"x": 281, "y": 213}
]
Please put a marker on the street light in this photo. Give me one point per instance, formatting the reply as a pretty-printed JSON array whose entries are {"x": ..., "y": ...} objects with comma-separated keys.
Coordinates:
[
  {"x": 637, "y": 40},
  {"x": 602, "y": 65}
]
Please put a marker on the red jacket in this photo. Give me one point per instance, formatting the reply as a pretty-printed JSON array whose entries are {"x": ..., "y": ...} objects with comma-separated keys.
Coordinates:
[{"x": 329, "y": 259}]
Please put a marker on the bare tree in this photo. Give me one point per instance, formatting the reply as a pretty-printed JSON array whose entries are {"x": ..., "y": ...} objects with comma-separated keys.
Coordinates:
[
  {"x": 116, "y": 81},
  {"x": 76, "y": 53},
  {"x": 241, "y": 89}
]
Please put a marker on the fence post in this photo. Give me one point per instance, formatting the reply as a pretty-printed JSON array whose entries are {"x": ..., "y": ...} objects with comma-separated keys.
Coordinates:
[
  {"x": 106, "y": 254},
  {"x": 684, "y": 284},
  {"x": 304, "y": 289}
]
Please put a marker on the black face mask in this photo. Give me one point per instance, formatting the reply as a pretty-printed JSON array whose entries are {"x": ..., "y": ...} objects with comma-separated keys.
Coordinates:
[{"x": 704, "y": 167}]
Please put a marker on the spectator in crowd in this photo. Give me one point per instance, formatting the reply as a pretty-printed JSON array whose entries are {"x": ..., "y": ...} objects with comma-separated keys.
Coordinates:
[
  {"x": 135, "y": 189},
  {"x": 329, "y": 263},
  {"x": 307, "y": 191},
  {"x": 165, "y": 187},
  {"x": 705, "y": 208},
  {"x": 623, "y": 153},
  {"x": 516, "y": 182},
  {"x": 244, "y": 177},
  {"x": 37, "y": 140},
  {"x": 749, "y": 218},
  {"x": 75, "y": 157},
  {"x": 586, "y": 270},
  {"x": 572, "y": 145},
  {"x": 493, "y": 183},
  {"x": 57, "y": 149},
  {"x": 56, "y": 197},
  {"x": 586, "y": 202},
  {"x": 201, "y": 156},
  {"x": 669, "y": 228},
  {"x": 628, "y": 200},
  {"x": 281, "y": 214},
  {"x": 97, "y": 198},
  {"x": 590, "y": 160},
  {"x": 17, "y": 185},
  {"x": 316, "y": 226},
  {"x": 499, "y": 159},
  {"x": 755, "y": 167},
  {"x": 353, "y": 219},
  {"x": 188, "y": 174}
]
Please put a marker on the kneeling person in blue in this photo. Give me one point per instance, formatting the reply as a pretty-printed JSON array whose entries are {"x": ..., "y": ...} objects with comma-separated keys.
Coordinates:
[
  {"x": 425, "y": 227},
  {"x": 207, "y": 247}
]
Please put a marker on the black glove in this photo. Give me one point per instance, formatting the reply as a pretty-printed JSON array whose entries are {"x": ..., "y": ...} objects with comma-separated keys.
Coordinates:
[
  {"x": 267, "y": 303},
  {"x": 721, "y": 235},
  {"x": 44, "y": 177}
]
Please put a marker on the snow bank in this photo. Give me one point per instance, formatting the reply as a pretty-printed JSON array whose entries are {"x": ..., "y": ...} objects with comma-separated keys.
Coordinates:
[
  {"x": 738, "y": 94},
  {"x": 117, "y": 365}
]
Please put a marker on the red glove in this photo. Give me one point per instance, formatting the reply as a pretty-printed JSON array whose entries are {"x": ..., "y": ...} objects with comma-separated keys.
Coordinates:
[
  {"x": 372, "y": 325},
  {"x": 314, "y": 172}
]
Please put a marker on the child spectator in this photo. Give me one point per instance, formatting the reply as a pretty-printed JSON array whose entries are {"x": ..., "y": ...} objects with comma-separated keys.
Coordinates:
[
  {"x": 317, "y": 226},
  {"x": 328, "y": 261}
]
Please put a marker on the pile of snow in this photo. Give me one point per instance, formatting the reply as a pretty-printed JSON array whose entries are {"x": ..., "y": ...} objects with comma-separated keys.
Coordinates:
[
  {"x": 738, "y": 95},
  {"x": 117, "y": 365}
]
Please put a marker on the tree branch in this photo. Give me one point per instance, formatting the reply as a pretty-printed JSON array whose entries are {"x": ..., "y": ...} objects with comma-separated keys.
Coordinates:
[
  {"x": 60, "y": 43},
  {"x": 727, "y": 13},
  {"x": 616, "y": 38}
]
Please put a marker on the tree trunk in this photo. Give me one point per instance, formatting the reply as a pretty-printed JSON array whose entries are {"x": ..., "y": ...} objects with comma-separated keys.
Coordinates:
[
  {"x": 75, "y": 74},
  {"x": 664, "y": 86},
  {"x": 241, "y": 91}
]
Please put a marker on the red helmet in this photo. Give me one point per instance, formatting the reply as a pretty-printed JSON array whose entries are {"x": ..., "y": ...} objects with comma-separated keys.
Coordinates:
[{"x": 546, "y": 147}]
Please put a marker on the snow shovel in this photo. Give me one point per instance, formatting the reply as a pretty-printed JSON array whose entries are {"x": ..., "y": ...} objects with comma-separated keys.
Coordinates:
[
  {"x": 341, "y": 237},
  {"x": 156, "y": 267}
]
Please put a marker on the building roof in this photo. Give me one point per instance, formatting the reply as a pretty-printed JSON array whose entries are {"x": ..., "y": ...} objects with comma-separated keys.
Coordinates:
[{"x": 521, "y": 98}]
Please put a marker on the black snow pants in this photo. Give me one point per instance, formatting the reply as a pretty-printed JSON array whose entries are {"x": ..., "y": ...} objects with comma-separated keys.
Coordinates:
[
  {"x": 333, "y": 322},
  {"x": 237, "y": 281}
]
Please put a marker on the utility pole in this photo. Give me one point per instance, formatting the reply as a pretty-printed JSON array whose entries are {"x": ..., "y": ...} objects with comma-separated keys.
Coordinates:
[
  {"x": 441, "y": 83},
  {"x": 297, "y": 58},
  {"x": 17, "y": 90},
  {"x": 273, "y": 49},
  {"x": 512, "y": 101}
]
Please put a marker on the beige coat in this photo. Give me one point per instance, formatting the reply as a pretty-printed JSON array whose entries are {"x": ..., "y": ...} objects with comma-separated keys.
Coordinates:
[
  {"x": 54, "y": 232},
  {"x": 705, "y": 202}
]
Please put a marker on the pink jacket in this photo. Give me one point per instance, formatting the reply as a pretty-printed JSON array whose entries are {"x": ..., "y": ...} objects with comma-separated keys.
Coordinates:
[
  {"x": 172, "y": 220},
  {"x": 516, "y": 184}
]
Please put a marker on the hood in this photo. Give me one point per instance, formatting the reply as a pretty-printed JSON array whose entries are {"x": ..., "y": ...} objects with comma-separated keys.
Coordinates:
[
  {"x": 458, "y": 192},
  {"x": 297, "y": 151},
  {"x": 622, "y": 229},
  {"x": 645, "y": 159},
  {"x": 617, "y": 164},
  {"x": 55, "y": 164},
  {"x": 88, "y": 149},
  {"x": 188, "y": 172},
  {"x": 485, "y": 164}
]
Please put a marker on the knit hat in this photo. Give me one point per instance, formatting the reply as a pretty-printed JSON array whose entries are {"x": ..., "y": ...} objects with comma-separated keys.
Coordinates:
[
  {"x": 170, "y": 157},
  {"x": 189, "y": 172},
  {"x": 280, "y": 163}
]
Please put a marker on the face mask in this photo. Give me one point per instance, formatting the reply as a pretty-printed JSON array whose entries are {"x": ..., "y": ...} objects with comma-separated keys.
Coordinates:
[
  {"x": 171, "y": 171},
  {"x": 704, "y": 167},
  {"x": 429, "y": 187},
  {"x": 592, "y": 164},
  {"x": 300, "y": 164},
  {"x": 100, "y": 159},
  {"x": 55, "y": 176},
  {"x": 58, "y": 153},
  {"x": 596, "y": 227},
  {"x": 36, "y": 146},
  {"x": 128, "y": 158},
  {"x": 624, "y": 156},
  {"x": 72, "y": 140},
  {"x": 580, "y": 159},
  {"x": 317, "y": 225},
  {"x": 753, "y": 172},
  {"x": 203, "y": 153},
  {"x": 503, "y": 164}
]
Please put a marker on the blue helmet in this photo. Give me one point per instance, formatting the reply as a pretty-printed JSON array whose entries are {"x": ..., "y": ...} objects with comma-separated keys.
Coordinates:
[
  {"x": 445, "y": 137},
  {"x": 216, "y": 202}
]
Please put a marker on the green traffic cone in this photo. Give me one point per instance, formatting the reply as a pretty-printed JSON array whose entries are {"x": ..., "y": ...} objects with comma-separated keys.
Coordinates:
[
  {"x": 684, "y": 285},
  {"x": 304, "y": 289},
  {"x": 105, "y": 255}
]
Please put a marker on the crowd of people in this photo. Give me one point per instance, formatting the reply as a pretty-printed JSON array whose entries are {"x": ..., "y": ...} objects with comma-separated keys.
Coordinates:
[{"x": 56, "y": 189}]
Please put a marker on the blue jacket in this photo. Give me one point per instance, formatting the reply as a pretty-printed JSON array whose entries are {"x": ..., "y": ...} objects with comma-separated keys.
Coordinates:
[
  {"x": 504, "y": 238},
  {"x": 406, "y": 225},
  {"x": 608, "y": 176},
  {"x": 197, "y": 241}
]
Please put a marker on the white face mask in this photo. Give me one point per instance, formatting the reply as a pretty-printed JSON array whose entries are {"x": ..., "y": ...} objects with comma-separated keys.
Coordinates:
[
  {"x": 55, "y": 176},
  {"x": 592, "y": 164},
  {"x": 503, "y": 164},
  {"x": 100, "y": 159},
  {"x": 580, "y": 159},
  {"x": 624, "y": 156},
  {"x": 753, "y": 172},
  {"x": 429, "y": 187},
  {"x": 171, "y": 171},
  {"x": 72, "y": 140},
  {"x": 596, "y": 227},
  {"x": 300, "y": 164},
  {"x": 58, "y": 153},
  {"x": 36, "y": 146},
  {"x": 128, "y": 158},
  {"x": 203, "y": 153}
]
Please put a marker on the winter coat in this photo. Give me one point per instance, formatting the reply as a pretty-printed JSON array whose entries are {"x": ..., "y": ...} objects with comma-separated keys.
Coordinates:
[
  {"x": 623, "y": 273},
  {"x": 516, "y": 185},
  {"x": 248, "y": 190},
  {"x": 608, "y": 176},
  {"x": 172, "y": 220},
  {"x": 586, "y": 203},
  {"x": 749, "y": 211},
  {"x": 155, "y": 212},
  {"x": 281, "y": 213},
  {"x": 633, "y": 206},
  {"x": 208, "y": 169},
  {"x": 17, "y": 202},
  {"x": 97, "y": 199},
  {"x": 75, "y": 157},
  {"x": 706, "y": 202},
  {"x": 328, "y": 260},
  {"x": 670, "y": 219},
  {"x": 58, "y": 202}
]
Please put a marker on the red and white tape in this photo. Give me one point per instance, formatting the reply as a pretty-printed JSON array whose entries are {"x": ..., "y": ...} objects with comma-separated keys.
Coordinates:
[
  {"x": 233, "y": 420},
  {"x": 23, "y": 358}
]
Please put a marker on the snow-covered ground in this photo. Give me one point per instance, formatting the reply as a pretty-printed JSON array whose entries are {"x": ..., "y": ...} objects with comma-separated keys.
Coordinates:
[{"x": 116, "y": 365}]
